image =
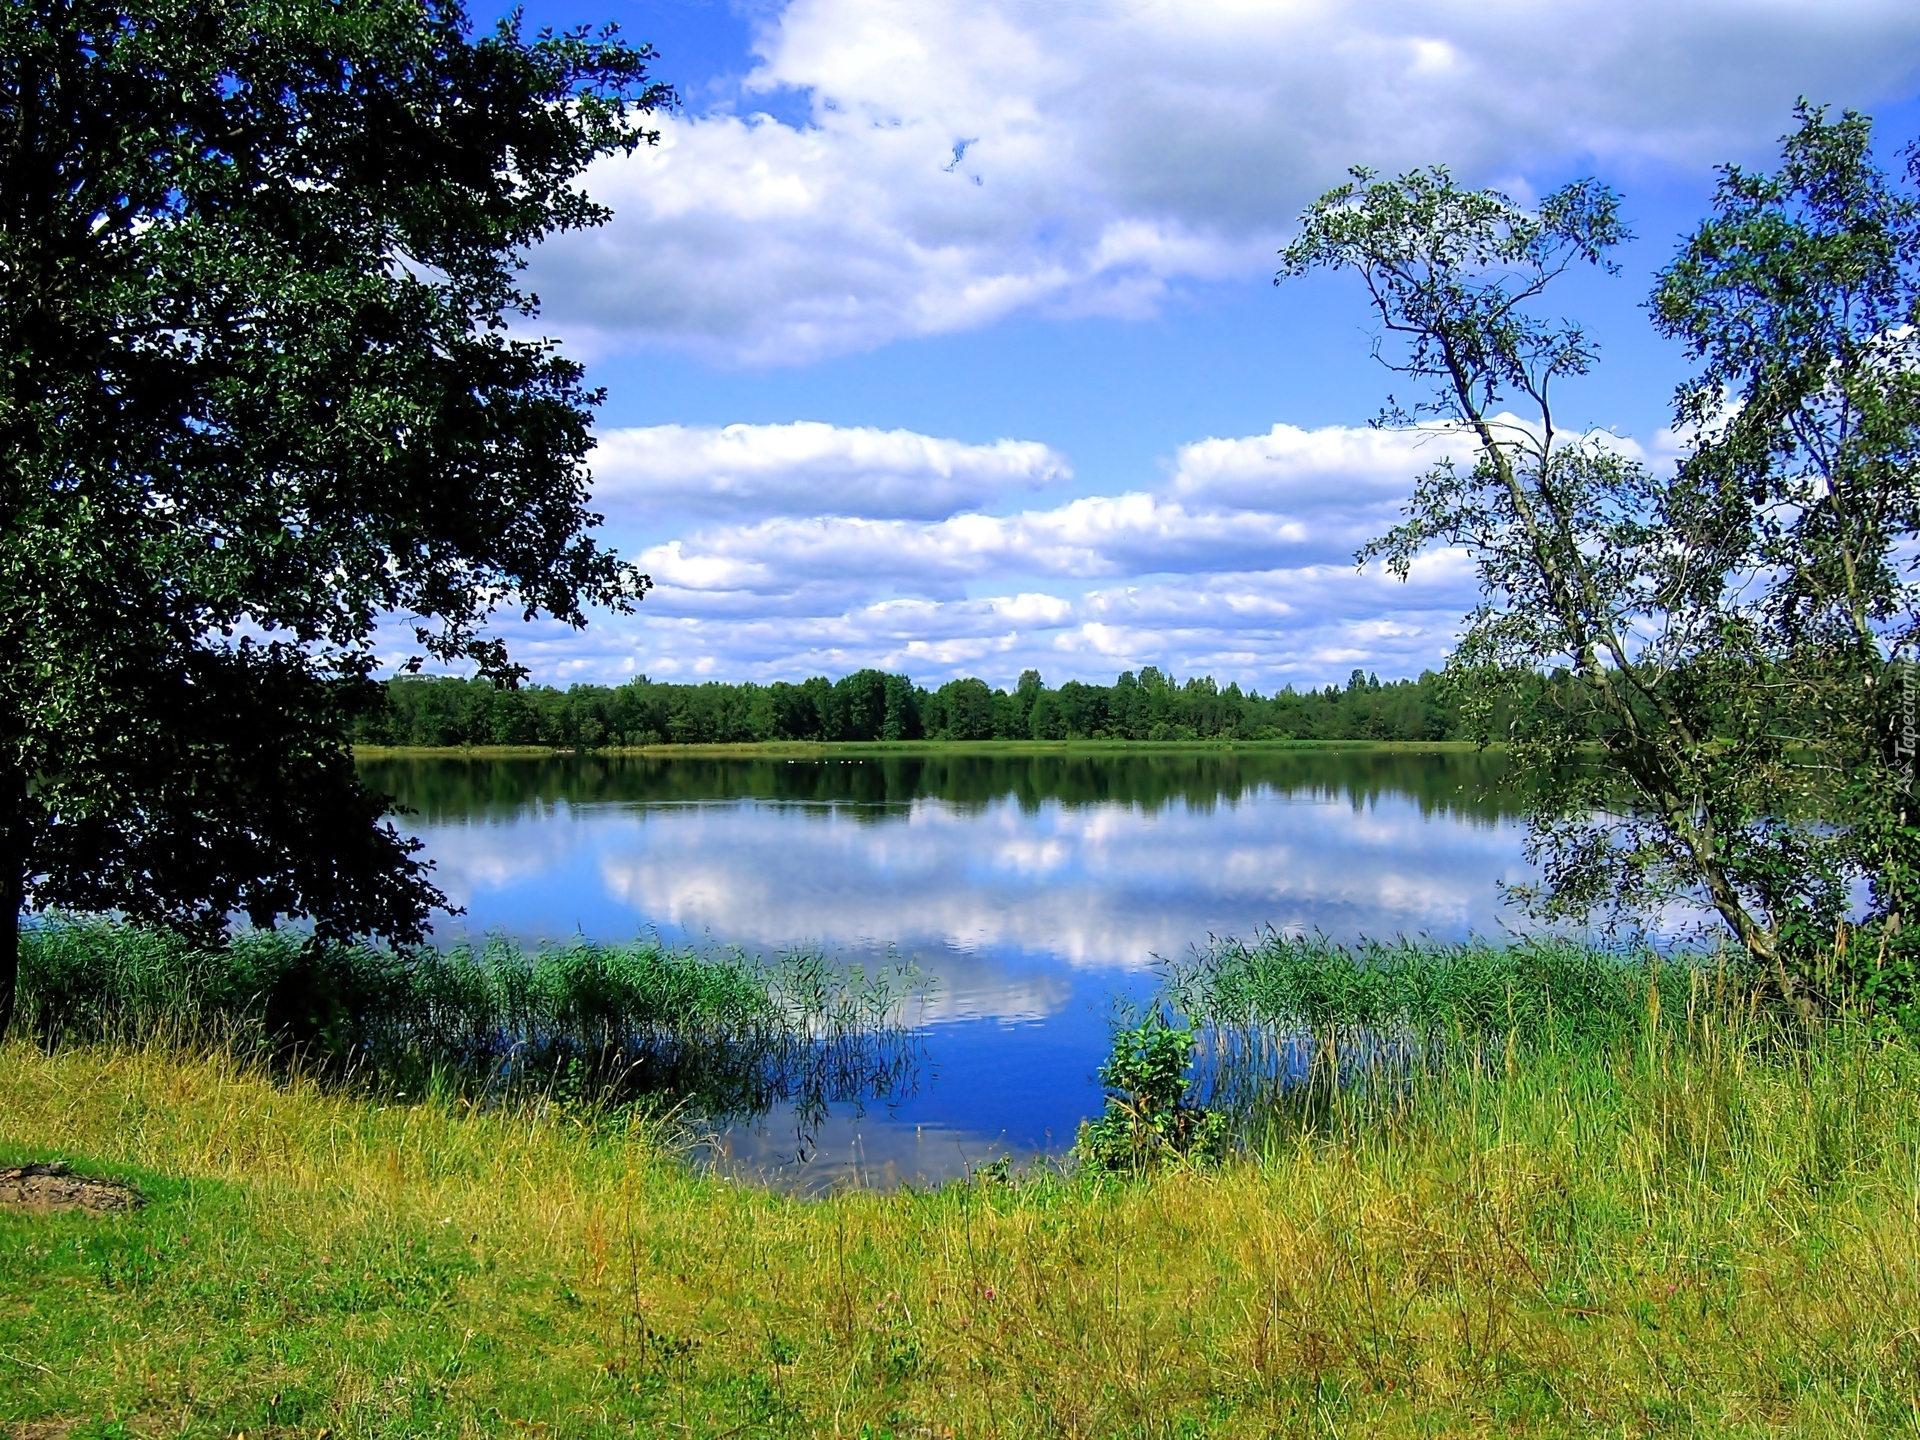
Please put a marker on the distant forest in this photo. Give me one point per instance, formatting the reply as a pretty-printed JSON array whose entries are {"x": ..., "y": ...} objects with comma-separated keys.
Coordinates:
[{"x": 872, "y": 705}]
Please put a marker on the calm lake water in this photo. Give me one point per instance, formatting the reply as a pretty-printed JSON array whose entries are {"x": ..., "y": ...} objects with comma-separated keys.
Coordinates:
[{"x": 1033, "y": 889}]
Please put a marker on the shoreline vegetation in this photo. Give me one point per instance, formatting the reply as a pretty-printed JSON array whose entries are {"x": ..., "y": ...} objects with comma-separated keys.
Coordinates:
[
  {"x": 1609, "y": 1193},
  {"x": 855, "y": 749},
  {"x": 717, "y": 1034},
  {"x": 873, "y": 706}
]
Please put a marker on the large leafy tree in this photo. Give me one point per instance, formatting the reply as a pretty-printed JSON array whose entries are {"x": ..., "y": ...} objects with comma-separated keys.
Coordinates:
[
  {"x": 1715, "y": 726},
  {"x": 259, "y": 395},
  {"x": 1799, "y": 298}
]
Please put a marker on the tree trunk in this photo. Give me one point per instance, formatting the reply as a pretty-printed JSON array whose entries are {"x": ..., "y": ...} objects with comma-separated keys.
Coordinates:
[
  {"x": 9, "y": 952},
  {"x": 13, "y": 866}
]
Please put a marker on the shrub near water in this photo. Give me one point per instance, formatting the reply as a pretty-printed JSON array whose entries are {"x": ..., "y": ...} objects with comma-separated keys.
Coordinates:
[
  {"x": 600, "y": 1022},
  {"x": 1148, "y": 1118}
]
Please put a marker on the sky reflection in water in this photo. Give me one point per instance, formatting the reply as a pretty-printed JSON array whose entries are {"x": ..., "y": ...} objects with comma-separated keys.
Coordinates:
[{"x": 1034, "y": 888}]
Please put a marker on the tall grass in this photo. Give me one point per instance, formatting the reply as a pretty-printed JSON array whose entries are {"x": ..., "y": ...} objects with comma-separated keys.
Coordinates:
[
  {"x": 1679, "y": 1226},
  {"x": 1535, "y": 987},
  {"x": 1287, "y": 1024},
  {"x": 597, "y": 1023}
]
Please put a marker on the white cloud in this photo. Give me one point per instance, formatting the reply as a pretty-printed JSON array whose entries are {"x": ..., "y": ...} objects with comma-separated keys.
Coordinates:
[
  {"x": 1090, "y": 537},
  {"x": 808, "y": 468},
  {"x": 1286, "y": 499},
  {"x": 1340, "y": 472},
  {"x": 965, "y": 159},
  {"x": 1264, "y": 629},
  {"x": 1239, "y": 565}
]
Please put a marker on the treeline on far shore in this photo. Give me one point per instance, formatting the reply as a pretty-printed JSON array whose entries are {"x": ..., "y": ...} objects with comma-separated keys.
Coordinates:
[{"x": 873, "y": 705}]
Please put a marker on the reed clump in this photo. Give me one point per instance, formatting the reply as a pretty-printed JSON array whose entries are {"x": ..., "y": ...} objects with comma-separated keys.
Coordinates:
[
  {"x": 590, "y": 1023},
  {"x": 1691, "y": 1223},
  {"x": 1544, "y": 988},
  {"x": 1294, "y": 1029}
]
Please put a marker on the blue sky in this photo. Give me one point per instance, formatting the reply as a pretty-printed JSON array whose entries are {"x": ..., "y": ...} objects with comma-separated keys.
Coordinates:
[{"x": 939, "y": 335}]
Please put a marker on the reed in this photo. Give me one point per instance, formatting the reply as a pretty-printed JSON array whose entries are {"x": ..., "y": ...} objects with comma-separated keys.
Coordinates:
[
  {"x": 595, "y": 1024},
  {"x": 1298, "y": 1030},
  {"x": 1534, "y": 988}
]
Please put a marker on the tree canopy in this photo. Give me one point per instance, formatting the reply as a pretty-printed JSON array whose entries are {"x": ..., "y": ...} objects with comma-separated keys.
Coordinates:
[
  {"x": 870, "y": 705},
  {"x": 263, "y": 384},
  {"x": 1728, "y": 631}
]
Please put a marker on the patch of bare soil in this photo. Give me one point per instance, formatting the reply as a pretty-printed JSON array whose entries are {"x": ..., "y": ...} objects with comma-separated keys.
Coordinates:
[{"x": 45, "y": 1188}]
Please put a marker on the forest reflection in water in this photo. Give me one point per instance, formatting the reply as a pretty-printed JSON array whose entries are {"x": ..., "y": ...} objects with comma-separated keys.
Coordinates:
[
  {"x": 1033, "y": 888},
  {"x": 1451, "y": 781}
]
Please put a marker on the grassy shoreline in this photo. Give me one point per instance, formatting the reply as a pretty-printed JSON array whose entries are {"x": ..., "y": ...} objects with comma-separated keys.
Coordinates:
[
  {"x": 713, "y": 1032},
  {"x": 1603, "y": 1193},
  {"x": 855, "y": 749},
  {"x": 1689, "y": 1231}
]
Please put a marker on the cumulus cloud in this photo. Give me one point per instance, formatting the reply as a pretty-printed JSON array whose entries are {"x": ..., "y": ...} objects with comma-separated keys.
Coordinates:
[
  {"x": 965, "y": 159},
  {"x": 1094, "y": 536},
  {"x": 1341, "y": 473},
  {"x": 1240, "y": 564},
  {"x": 808, "y": 468},
  {"x": 1262, "y": 629},
  {"x": 1286, "y": 499}
]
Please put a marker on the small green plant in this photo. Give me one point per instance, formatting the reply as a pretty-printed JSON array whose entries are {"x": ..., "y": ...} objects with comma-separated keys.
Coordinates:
[{"x": 1148, "y": 1118}]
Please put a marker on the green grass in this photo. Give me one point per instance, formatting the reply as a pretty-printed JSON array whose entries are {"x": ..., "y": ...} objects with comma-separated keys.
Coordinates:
[
  {"x": 1669, "y": 1218},
  {"x": 1289, "y": 1025},
  {"x": 1686, "y": 1233},
  {"x": 1537, "y": 989}
]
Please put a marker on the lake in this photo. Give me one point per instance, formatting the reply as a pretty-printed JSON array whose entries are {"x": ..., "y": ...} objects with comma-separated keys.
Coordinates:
[{"x": 1033, "y": 889}]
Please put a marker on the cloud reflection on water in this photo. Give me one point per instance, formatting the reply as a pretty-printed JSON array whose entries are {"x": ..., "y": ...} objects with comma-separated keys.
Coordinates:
[
  {"x": 992, "y": 898},
  {"x": 1033, "y": 888}
]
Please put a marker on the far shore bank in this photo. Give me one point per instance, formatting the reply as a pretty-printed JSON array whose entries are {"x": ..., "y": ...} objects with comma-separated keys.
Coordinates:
[{"x": 854, "y": 749}]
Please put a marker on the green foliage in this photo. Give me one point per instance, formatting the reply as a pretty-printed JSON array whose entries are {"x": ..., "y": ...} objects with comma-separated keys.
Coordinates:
[
  {"x": 1798, "y": 298},
  {"x": 598, "y": 1023},
  {"x": 1717, "y": 723},
  {"x": 257, "y": 389},
  {"x": 1454, "y": 272},
  {"x": 869, "y": 705},
  {"x": 1148, "y": 1119},
  {"x": 1540, "y": 990}
]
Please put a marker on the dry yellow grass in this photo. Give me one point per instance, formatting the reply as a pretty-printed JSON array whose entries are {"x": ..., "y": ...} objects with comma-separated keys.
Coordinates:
[{"x": 1680, "y": 1239}]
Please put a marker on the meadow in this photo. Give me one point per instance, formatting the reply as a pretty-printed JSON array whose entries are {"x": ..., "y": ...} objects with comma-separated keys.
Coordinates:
[{"x": 1655, "y": 1211}]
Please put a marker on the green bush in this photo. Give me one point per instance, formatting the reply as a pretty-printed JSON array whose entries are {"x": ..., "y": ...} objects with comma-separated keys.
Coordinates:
[{"x": 1148, "y": 1118}]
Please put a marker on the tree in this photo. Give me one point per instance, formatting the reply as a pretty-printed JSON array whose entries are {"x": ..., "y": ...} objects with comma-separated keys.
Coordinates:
[
  {"x": 1631, "y": 586},
  {"x": 1799, "y": 300},
  {"x": 258, "y": 391}
]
